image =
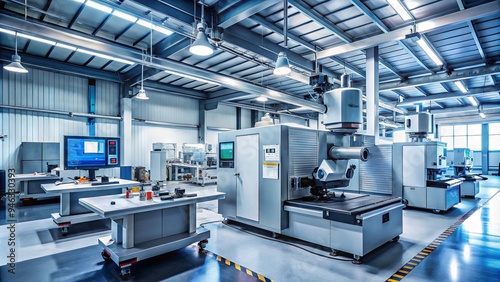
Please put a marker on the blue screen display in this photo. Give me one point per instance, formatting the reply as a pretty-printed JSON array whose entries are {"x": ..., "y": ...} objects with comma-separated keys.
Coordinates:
[{"x": 86, "y": 152}]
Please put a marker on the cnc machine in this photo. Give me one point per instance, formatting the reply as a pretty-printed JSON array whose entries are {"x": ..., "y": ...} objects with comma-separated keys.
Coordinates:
[
  {"x": 282, "y": 178},
  {"x": 462, "y": 167}
]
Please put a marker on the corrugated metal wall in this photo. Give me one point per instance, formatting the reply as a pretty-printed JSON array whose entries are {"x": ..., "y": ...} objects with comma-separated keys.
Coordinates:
[
  {"x": 376, "y": 174},
  {"x": 167, "y": 108},
  {"x": 45, "y": 90}
]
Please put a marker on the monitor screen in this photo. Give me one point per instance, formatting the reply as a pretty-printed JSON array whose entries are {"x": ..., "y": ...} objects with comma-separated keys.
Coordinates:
[
  {"x": 226, "y": 151},
  {"x": 89, "y": 152}
]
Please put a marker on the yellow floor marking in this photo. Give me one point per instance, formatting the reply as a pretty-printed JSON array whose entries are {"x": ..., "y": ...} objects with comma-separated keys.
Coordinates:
[
  {"x": 237, "y": 266},
  {"x": 261, "y": 278},
  {"x": 228, "y": 262},
  {"x": 219, "y": 258},
  {"x": 249, "y": 272},
  {"x": 398, "y": 276}
]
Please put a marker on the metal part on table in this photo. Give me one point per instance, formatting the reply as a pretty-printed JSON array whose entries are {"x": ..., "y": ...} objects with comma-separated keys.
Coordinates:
[
  {"x": 418, "y": 176},
  {"x": 140, "y": 230},
  {"x": 70, "y": 211}
]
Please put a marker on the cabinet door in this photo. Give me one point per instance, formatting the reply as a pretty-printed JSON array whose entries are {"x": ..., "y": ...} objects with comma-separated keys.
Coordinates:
[{"x": 247, "y": 171}]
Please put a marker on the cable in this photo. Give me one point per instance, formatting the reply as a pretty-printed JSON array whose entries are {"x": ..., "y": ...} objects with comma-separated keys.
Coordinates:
[{"x": 279, "y": 241}]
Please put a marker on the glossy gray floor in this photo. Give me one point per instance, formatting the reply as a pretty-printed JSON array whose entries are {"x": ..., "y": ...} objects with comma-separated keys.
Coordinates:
[{"x": 42, "y": 254}]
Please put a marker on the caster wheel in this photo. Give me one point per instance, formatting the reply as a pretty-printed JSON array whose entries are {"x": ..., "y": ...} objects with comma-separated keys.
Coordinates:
[
  {"x": 334, "y": 253},
  {"x": 202, "y": 244},
  {"x": 226, "y": 221},
  {"x": 64, "y": 231},
  {"x": 405, "y": 202},
  {"x": 105, "y": 256},
  {"x": 395, "y": 239},
  {"x": 356, "y": 261},
  {"x": 436, "y": 211},
  {"x": 275, "y": 235},
  {"x": 125, "y": 273}
]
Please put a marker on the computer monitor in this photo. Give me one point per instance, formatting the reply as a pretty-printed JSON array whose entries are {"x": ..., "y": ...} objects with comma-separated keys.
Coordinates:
[{"x": 91, "y": 153}]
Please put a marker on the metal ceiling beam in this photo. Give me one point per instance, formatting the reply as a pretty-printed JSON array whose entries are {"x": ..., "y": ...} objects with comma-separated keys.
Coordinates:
[
  {"x": 60, "y": 67},
  {"x": 452, "y": 95},
  {"x": 172, "y": 89},
  {"x": 107, "y": 48},
  {"x": 362, "y": 7},
  {"x": 167, "y": 43},
  {"x": 473, "y": 13},
  {"x": 223, "y": 5},
  {"x": 243, "y": 10},
  {"x": 473, "y": 32},
  {"x": 438, "y": 78},
  {"x": 315, "y": 16},
  {"x": 227, "y": 98}
]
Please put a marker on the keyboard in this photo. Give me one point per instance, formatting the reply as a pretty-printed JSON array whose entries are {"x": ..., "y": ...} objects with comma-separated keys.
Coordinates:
[{"x": 104, "y": 183}]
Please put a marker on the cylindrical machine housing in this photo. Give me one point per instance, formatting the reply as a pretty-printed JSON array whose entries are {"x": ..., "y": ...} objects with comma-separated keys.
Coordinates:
[{"x": 343, "y": 153}]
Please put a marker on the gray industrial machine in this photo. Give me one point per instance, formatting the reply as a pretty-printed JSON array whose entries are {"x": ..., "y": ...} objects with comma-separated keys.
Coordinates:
[
  {"x": 419, "y": 167},
  {"x": 463, "y": 161},
  {"x": 279, "y": 178}
]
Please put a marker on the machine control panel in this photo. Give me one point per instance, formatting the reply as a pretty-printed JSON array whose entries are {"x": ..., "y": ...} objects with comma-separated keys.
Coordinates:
[
  {"x": 112, "y": 152},
  {"x": 271, "y": 153}
]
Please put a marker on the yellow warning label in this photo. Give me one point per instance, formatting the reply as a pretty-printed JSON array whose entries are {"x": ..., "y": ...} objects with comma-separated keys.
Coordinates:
[{"x": 271, "y": 164}]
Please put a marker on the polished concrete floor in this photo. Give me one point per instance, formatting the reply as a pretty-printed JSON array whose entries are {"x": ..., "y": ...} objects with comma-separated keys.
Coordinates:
[{"x": 427, "y": 250}]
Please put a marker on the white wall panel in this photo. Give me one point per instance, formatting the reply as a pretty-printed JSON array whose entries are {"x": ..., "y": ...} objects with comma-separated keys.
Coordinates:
[
  {"x": 145, "y": 135},
  {"x": 224, "y": 117},
  {"x": 107, "y": 128},
  {"x": 246, "y": 118},
  {"x": 166, "y": 108},
  {"x": 290, "y": 119}
]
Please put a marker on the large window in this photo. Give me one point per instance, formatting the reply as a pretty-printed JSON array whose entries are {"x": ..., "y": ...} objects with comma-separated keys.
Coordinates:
[
  {"x": 463, "y": 136},
  {"x": 494, "y": 136}
]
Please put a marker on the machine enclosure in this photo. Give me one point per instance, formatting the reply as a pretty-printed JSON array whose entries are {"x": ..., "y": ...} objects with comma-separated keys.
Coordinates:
[
  {"x": 344, "y": 108},
  {"x": 419, "y": 123}
]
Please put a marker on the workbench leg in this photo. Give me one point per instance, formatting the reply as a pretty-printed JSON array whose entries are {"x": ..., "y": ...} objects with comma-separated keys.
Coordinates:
[
  {"x": 64, "y": 209},
  {"x": 116, "y": 230},
  {"x": 192, "y": 218},
  {"x": 128, "y": 231}
]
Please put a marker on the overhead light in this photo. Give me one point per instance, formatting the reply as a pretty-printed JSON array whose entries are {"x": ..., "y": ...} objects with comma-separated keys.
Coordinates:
[
  {"x": 123, "y": 61},
  {"x": 65, "y": 46},
  {"x": 162, "y": 30},
  {"x": 481, "y": 114},
  {"x": 402, "y": 12},
  {"x": 473, "y": 101},
  {"x": 99, "y": 7},
  {"x": 37, "y": 39},
  {"x": 460, "y": 86},
  {"x": 125, "y": 16},
  {"x": 15, "y": 65},
  {"x": 262, "y": 99},
  {"x": 428, "y": 50},
  {"x": 142, "y": 93},
  {"x": 80, "y": 1},
  {"x": 95, "y": 54},
  {"x": 145, "y": 23},
  {"x": 201, "y": 46},
  {"x": 191, "y": 77},
  {"x": 282, "y": 65},
  {"x": 7, "y": 31}
]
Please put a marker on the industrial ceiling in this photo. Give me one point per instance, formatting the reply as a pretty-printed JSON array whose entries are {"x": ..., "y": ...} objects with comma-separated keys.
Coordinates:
[{"x": 112, "y": 39}]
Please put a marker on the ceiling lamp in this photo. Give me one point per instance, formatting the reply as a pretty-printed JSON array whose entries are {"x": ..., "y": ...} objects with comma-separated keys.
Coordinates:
[
  {"x": 142, "y": 93},
  {"x": 473, "y": 101},
  {"x": 422, "y": 42},
  {"x": 481, "y": 113},
  {"x": 460, "y": 86},
  {"x": 282, "y": 64},
  {"x": 201, "y": 46},
  {"x": 400, "y": 9},
  {"x": 16, "y": 66}
]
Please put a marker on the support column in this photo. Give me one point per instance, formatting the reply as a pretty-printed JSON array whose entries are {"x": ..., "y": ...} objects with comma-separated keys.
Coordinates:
[
  {"x": 91, "y": 109},
  {"x": 238, "y": 118},
  {"x": 202, "y": 126},
  {"x": 485, "y": 148},
  {"x": 372, "y": 95},
  {"x": 126, "y": 131}
]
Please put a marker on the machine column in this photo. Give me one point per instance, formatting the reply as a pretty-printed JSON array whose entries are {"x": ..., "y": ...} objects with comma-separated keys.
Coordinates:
[{"x": 372, "y": 95}]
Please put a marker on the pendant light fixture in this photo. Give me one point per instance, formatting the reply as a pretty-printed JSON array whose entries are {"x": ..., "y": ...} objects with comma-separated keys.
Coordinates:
[
  {"x": 15, "y": 65},
  {"x": 142, "y": 93},
  {"x": 282, "y": 64},
  {"x": 201, "y": 46}
]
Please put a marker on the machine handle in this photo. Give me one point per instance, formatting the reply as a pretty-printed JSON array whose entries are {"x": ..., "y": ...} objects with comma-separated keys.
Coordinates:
[{"x": 236, "y": 174}]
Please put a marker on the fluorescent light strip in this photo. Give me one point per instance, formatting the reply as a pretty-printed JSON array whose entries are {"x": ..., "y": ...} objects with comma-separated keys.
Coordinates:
[
  {"x": 36, "y": 39},
  {"x": 123, "y": 61},
  {"x": 428, "y": 50},
  {"x": 125, "y": 16},
  {"x": 460, "y": 86},
  {"x": 473, "y": 101},
  {"x": 7, "y": 31},
  {"x": 400, "y": 10},
  {"x": 393, "y": 125},
  {"x": 99, "y": 7},
  {"x": 162, "y": 30},
  {"x": 95, "y": 54},
  {"x": 80, "y": 1},
  {"x": 65, "y": 46},
  {"x": 191, "y": 77},
  {"x": 481, "y": 114},
  {"x": 144, "y": 23}
]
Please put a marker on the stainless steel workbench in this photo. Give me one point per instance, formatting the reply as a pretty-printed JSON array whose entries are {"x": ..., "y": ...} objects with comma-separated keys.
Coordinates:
[
  {"x": 34, "y": 190},
  {"x": 144, "y": 229},
  {"x": 70, "y": 211}
]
